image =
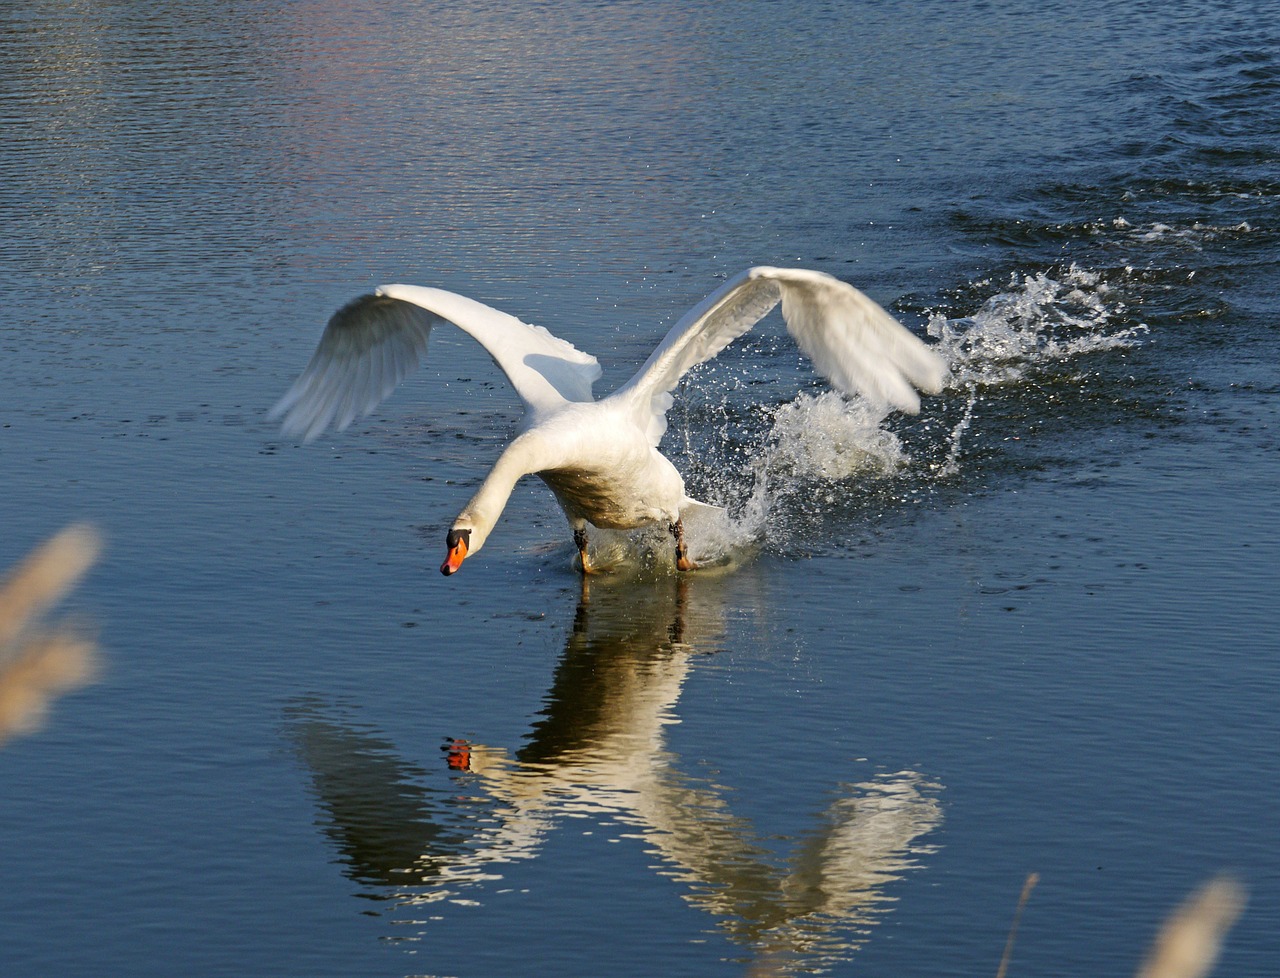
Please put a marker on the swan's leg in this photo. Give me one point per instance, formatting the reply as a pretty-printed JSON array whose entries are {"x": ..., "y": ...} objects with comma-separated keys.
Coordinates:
[
  {"x": 682, "y": 552},
  {"x": 580, "y": 539}
]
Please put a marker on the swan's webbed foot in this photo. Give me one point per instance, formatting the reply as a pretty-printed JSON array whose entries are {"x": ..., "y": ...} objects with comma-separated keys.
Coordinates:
[
  {"x": 682, "y": 552},
  {"x": 580, "y": 540}
]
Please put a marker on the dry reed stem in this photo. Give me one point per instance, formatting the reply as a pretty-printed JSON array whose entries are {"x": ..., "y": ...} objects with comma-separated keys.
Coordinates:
[
  {"x": 1191, "y": 938},
  {"x": 44, "y": 577},
  {"x": 1027, "y": 887},
  {"x": 35, "y": 667},
  {"x": 45, "y": 668}
]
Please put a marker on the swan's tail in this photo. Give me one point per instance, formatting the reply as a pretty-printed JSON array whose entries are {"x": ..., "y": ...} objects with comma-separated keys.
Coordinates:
[
  {"x": 714, "y": 538},
  {"x": 698, "y": 510}
]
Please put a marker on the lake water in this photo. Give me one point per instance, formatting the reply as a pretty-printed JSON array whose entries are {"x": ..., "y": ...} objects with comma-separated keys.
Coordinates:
[{"x": 1034, "y": 628}]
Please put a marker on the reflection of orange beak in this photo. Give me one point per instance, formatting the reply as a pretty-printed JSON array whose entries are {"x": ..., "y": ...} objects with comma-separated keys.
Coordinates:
[
  {"x": 457, "y": 754},
  {"x": 456, "y": 555}
]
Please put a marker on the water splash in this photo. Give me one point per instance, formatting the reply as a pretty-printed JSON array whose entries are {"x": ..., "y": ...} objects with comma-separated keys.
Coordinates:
[
  {"x": 951, "y": 465},
  {"x": 824, "y": 459},
  {"x": 830, "y": 437},
  {"x": 1038, "y": 320},
  {"x": 827, "y": 438},
  {"x": 761, "y": 474},
  {"x": 814, "y": 453}
]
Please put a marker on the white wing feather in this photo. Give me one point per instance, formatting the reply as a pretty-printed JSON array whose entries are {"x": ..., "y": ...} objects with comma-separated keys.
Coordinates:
[
  {"x": 851, "y": 340},
  {"x": 371, "y": 344}
]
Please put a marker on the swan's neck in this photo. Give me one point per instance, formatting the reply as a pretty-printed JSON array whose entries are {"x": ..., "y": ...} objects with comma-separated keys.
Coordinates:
[{"x": 521, "y": 458}]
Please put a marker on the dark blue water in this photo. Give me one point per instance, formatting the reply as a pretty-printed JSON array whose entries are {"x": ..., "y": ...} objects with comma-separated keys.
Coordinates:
[{"x": 1032, "y": 629}]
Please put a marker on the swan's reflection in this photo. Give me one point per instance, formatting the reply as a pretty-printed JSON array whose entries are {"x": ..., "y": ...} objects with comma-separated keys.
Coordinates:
[{"x": 599, "y": 749}]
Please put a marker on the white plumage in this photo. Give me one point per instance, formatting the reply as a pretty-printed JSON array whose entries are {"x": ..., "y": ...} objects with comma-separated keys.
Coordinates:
[{"x": 600, "y": 458}]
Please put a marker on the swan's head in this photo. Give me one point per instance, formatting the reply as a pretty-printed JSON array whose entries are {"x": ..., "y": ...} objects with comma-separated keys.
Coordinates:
[
  {"x": 458, "y": 544},
  {"x": 466, "y": 537}
]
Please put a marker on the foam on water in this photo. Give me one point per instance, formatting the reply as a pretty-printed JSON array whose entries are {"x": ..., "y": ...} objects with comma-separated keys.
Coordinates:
[
  {"x": 1196, "y": 234},
  {"x": 1039, "y": 319}
]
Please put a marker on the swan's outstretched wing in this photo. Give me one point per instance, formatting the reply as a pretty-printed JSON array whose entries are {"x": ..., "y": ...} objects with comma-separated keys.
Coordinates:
[
  {"x": 375, "y": 341},
  {"x": 852, "y": 342}
]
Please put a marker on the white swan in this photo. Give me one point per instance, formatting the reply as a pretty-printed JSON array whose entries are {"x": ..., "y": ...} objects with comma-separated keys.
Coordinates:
[{"x": 599, "y": 458}]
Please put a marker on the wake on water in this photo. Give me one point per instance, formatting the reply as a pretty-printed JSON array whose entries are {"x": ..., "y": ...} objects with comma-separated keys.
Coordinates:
[{"x": 822, "y": 460}]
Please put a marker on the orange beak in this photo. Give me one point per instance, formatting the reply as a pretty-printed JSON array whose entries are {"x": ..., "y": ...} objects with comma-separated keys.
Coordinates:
[{"x": 456, "y": 555}]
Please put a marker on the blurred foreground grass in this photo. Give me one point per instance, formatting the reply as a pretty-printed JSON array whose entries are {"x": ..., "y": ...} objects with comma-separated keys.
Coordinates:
[
  {"x": 40, "y": 662},
  {"x": 1188, "y": 944}
]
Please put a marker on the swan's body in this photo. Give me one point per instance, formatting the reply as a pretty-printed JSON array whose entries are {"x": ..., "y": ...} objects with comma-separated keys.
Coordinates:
[{"x": 599, "y": 458}]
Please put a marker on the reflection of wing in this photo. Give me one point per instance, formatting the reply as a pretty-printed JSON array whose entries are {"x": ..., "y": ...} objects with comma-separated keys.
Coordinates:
[
  {"x": 599, "y": 746},
  {"x": 379, "y": 814},
  {"x": 870, "y": 839},
  {"x": 834, "y": 887},
  {"x": 389, "y": 827}
]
